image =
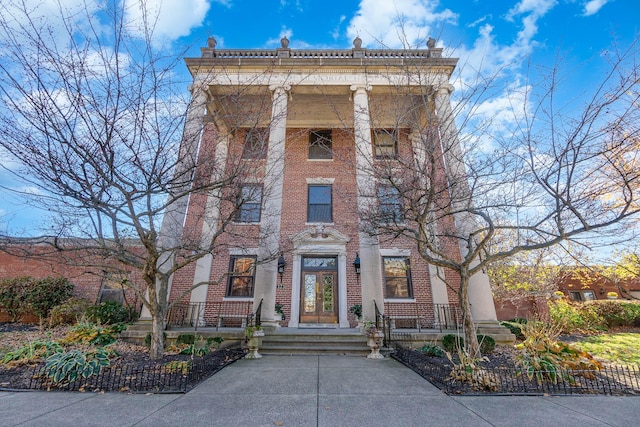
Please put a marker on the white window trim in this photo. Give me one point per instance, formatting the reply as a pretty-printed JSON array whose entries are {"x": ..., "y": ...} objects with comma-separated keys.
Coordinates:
[
  {"x": 395, "y": 252},
  {"x": 320, "y": 180}
]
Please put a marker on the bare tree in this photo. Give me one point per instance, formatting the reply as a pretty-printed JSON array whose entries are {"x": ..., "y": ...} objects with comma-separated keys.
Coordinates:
[
  {"x": 95, "y": 128},
  {"x": 552, "y": 172}
]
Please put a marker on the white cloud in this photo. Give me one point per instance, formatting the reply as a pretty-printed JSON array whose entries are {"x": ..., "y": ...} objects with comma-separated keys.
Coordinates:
[
  {"x": 397, "y": 23},
  {"x": 593, "y": 6},
  {"x": 170, "y": 19}
]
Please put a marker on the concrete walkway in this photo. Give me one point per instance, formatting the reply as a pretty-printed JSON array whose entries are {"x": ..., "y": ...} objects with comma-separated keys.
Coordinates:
[{"x": 313, "y": 391}]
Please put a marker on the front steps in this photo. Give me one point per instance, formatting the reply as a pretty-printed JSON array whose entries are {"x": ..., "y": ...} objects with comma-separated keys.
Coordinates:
[{"x": 346, "y": 342}]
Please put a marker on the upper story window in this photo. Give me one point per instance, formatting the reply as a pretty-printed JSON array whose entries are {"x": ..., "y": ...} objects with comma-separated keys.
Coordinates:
[
  {"x": 249, "y": 203},
  {"x": 242, "y": 273},
  {"x": 397, "y": 277},
  {"x": 390, "y": 204},
  {"x": 319, "y": 207},
  {"x": 385, "y": 143},
  {"x": 255, "y": 143},
  {"x": 320, "y": 144}
]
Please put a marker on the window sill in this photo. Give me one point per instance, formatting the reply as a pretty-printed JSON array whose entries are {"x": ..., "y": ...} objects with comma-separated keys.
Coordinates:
[
  {"x": 237, "y": 298},
  {"x": 407, "y": 300},
  {"x": 320, "y": 160},
  {"x": 247, "y": 223},
  {"x": 320, "y": 223}
]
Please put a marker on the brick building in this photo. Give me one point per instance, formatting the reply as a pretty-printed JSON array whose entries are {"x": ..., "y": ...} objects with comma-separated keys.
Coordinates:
[{"x": 310, "y": 125}]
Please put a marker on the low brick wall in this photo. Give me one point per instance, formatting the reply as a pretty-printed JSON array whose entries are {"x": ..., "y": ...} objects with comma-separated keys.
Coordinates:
[{"x": 533, "y": 307}]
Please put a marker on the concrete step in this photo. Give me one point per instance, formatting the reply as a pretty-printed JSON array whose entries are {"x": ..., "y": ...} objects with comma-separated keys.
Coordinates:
[{"x": 309, "y": 343}]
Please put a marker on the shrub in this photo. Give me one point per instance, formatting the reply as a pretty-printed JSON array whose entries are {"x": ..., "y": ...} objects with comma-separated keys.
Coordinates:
[
  {"x": 44, "y": 294},
  {"x": 570, "y": 317},
  {"x": 514, "y": 328},
  {"x": 617, "y": 312},
  {"x": 487, "y": 344},
  {"x": 187, "y": 339},
  {"x": 451, "y": 343},
  {"x": 215, "y": 342},
  {"x": 32, "y": 352},
  {"x": 69, "y": 312},
  {"x": 108, "y": 313},
  {"x": 75, "y": 364},
  {"x": 88, "y": 333},
  {"x": 12, "y": 293},
  {"x": 543, "y": 357},
  {"x": 432, "y": 350}
]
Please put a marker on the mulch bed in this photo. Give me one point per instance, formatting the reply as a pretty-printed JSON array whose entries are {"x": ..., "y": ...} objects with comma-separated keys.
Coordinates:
[{"x": 131, "y": 371}]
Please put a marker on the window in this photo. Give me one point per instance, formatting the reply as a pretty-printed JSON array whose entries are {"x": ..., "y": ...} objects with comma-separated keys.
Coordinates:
[
  {"x": 249, "y": 203},
  {"x": 320, "y": 145},
  {"x": 255, "y": 144},
  {"x": 397, "y": 277},
  {"x": 384, "y": 143},
  {"x": 242, "y": 272},
  {"x": 319, "y": 207},
  {"x": 391, "y": 209},
  {"x": 582, "y": 295}
]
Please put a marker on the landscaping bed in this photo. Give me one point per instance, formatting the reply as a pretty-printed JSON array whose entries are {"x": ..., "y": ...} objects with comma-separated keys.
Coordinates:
[
  {"x": 498, "y": 373},
  {"x": 130, "y": 369}
]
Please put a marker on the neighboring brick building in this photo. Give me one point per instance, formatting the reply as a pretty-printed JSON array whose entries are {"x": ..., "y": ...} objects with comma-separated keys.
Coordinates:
[
  {"x": 304, "y": 121},
  {"x": 96, "y": 280}
]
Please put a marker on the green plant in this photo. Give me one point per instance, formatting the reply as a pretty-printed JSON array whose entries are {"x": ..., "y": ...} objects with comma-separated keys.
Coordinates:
[
  {"x": 432, "y": 350},
  {"x": 215, "y": 342},
  {"x": 249, "y": 331},
  {"x": 44, "y": 294},
  {"x": 487, "y": 344},
  {"x": 571, "y": 317},
  {"x": 280, "y": 311},
  {"x": 31, "y": 352},
  {"x": 187, "y": 339},
  {"x": 75, "y": 364},
  {"x": 452, "y": 343},
  {"x": 109, "y": 312},
  {"x": 178, "y": 366},
  {"x": 69, "y": 312},
  {"x": 543, "y": 357},
  {"x": 89, "y": 333},
  {"x": 356, "y": 310},
  {"x": 514, "y": 328},
  {"x": 12, "y": 293},
  {"x": 617, "y": 312}
]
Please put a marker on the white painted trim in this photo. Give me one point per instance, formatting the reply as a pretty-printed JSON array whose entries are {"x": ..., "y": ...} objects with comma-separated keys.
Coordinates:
[
  {"x": 243, "y": 251},
  {"x": 240, "y": 299},
  {"x": 320, "y": 180},
  {"x": 400, "y": 300},
  {"x": 395, "y": 252}
]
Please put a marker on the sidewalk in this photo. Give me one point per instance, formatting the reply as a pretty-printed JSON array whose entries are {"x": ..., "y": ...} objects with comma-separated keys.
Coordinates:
[{"x": 313, "y": 391}]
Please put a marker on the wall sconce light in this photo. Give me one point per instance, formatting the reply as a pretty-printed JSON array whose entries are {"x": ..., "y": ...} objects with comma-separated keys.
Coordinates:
[
  {"x": 356, "y": 264},
  {"x": 281, "y": 265}
]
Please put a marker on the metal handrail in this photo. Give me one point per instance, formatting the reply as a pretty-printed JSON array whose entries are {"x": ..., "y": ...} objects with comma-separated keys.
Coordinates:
[
  {"x": 382, "y": 320},
  {"x": 256, "y": 318}
]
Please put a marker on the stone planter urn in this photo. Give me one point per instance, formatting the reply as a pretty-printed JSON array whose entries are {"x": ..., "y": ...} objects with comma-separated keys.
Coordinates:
[
  {"x": 374, "y": 341},
  {"x": 253, "y": 343}
]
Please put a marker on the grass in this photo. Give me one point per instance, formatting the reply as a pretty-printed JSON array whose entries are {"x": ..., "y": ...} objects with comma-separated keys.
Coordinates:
[{"x": 616, "y": 348}]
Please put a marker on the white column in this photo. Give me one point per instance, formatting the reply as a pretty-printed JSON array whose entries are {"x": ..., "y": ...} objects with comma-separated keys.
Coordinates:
[
  {"x": 343, "y": 321},
  {"x": 482, "y": 306},
  {"x": 202, "y": 272},
  {"x": 266, "y": 272},
  {"x": 438, "y": 286},
  {"x": 370, "y": 275},
  {"x": 174, "y": 216}
]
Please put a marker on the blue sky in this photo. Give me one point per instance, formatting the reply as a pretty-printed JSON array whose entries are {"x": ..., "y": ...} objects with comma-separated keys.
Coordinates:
[{"x": 495, "y": 34}]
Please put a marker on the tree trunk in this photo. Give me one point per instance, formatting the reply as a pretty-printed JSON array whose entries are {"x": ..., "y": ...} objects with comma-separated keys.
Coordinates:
[
  {"x": 468, "y": 327},
  {"x": 156, "y": 351}
]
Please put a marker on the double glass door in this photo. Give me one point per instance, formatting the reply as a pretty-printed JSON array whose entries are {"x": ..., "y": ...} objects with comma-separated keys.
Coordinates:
[{"x": 319, "y": 299}]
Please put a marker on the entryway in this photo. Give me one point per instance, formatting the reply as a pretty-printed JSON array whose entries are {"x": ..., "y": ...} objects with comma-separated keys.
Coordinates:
[{"x": 319, "y": 290}]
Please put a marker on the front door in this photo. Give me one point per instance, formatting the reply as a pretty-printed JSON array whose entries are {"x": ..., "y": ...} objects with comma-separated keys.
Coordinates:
[{"x": 319, "y": 299}]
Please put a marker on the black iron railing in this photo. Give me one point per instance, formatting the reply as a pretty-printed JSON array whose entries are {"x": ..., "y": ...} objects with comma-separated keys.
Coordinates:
[
  {"x": 510, "y": 380},
  {"x": 383, "y": 324},
  {"x": 211, "y": 314},
  {"x": 447, "y": 316},
  {"x": 256, "y": 319}
]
